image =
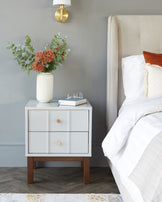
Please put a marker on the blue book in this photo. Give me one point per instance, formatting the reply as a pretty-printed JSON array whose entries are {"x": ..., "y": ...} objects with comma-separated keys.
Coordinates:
[{"x": 72, "y": 101}]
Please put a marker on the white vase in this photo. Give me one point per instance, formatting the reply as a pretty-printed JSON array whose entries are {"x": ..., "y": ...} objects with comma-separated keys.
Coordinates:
[{"x": 44, "y": 89}]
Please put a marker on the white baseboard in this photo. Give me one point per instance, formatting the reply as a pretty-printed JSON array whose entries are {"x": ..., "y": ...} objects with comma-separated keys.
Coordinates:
[{"x": 12, "y": 145}]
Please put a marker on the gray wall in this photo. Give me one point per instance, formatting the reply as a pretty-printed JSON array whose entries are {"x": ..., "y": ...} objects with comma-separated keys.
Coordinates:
[{"x": 84, "y": 70}]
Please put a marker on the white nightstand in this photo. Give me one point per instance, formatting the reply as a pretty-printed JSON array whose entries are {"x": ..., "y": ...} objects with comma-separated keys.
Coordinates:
[{"x": 55, "y": 133}]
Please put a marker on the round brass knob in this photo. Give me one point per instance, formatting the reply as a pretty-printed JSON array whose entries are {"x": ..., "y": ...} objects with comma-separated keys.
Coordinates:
[
  {"x": 58, "y": 121},
  {"x": 58, "y": 143}
]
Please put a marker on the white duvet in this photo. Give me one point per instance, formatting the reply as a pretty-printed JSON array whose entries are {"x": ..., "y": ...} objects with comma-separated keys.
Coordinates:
[{"x": 138, "y": 124}]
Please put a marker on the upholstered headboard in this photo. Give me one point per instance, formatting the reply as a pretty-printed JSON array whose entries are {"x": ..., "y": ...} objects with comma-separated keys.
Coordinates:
[{"x": 128, "y": 35}]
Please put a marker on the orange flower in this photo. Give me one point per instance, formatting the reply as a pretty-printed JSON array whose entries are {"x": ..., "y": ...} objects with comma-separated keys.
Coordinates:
[
  {"x": 39, "y": 56},
  {"x": 56, "y": 49},
  {"x": 63, "y": 52},
  {"x": 49, "y": 55},
  {"x": 59, "y": 44},
  {"x": 37, "y": 66},
  {"x": 34, "y": 65},
  {"x": 40, "y": 67}
]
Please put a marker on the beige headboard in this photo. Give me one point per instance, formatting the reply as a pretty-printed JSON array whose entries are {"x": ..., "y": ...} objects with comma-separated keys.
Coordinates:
[{"x": 128, "y": 35}]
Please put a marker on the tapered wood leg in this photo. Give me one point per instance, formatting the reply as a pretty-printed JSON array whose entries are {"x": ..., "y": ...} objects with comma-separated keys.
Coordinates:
[
  {"x": 85, "y": 164},
  {"x": 30, "y": 170},
  {"x": 86, "y": 170},
  {"x": 34, "y": 165},
  {"x": 82, "y": 165}
]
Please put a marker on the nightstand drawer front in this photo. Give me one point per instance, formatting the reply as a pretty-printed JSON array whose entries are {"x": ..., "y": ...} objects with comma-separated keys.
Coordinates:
[
  {"x": 59, "y": 120},
  {"x": 79, "y": 120},
  {"x": 38, "y": 142},
  {"x": 38, "y": 120},
  {"x": 79, "y": 142},
  {"x": 59, "y": 142}
]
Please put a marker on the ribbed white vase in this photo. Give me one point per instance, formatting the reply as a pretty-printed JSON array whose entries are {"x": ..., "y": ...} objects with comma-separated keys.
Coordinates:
[{"x": 44, "y": 89}]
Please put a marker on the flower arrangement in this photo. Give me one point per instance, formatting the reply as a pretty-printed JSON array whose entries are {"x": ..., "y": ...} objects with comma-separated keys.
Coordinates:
[{"x": 43, "y": 61}]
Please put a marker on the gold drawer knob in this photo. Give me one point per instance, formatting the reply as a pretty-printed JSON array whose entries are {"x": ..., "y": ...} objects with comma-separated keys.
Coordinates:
[
  {"x": 58, "y": 143},
  {"x": 58, "y": 121}
]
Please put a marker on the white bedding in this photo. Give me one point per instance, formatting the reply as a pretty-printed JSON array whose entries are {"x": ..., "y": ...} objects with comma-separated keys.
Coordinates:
[
  {"x": 142, "y": 134},
  {"x": 138, "y": 124}
]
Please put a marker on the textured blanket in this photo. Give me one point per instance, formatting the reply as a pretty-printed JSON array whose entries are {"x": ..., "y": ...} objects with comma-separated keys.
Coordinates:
[{"x": 133, "y": 146}]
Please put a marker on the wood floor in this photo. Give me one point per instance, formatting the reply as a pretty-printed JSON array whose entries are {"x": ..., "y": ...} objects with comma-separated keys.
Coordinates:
[{"x": 56, "y": 180}]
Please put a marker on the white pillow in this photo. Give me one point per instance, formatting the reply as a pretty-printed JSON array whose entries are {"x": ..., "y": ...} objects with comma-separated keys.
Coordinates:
[
  {"x": 153, "y": 80},
  {"x": 133, "y": 77}
]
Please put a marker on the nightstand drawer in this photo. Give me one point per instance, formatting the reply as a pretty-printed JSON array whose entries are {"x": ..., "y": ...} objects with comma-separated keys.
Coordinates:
[
  {"x": 59, "y": 120},
  {"x": 59, "y": 142},
  {"x": 79, "y": 142},
  {"x": 38, "y": 142}
]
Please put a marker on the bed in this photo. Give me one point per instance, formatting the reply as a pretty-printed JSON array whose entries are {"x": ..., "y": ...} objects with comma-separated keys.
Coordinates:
[{"x": 135, "y": 158}]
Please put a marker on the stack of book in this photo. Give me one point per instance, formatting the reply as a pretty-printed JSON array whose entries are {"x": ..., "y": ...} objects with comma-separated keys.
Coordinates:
[{"x": 72, "y": 101}]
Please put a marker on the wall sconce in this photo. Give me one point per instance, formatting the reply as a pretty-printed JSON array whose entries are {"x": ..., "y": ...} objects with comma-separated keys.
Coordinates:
[{"x": 61, "y": 14}]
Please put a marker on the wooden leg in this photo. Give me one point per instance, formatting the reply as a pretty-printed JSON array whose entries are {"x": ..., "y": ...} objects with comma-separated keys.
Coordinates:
[
  {"x": 82, "y": 165},
  {"x": 86, "y": 170},
  {"x": 34, "y": 165},
  {"x": 30, "y": 170},
  {"x": 85, "y": 164}
]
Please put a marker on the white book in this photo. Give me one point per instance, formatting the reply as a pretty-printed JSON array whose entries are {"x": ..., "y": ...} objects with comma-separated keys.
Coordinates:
[{"x": 72, "y": 101}]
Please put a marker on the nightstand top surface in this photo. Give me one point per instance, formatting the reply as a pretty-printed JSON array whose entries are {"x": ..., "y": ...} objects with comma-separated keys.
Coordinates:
[{"x": 34, "y": 104}]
